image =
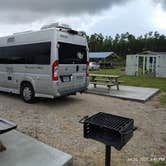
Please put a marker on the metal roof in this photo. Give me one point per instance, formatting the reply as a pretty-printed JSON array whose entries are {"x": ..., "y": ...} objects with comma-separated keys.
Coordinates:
[
  {"x": 152, "y": 53},
  {"x": 100, "y": 54}
]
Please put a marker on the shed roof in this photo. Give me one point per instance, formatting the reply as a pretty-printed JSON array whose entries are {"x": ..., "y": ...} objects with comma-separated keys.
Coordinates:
[
  {"x": 100, "y": 54},
  {"x": 152, "y": 53}
]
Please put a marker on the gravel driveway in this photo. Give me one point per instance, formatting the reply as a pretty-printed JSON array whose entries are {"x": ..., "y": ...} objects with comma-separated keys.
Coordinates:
[{"x": 55, "y": 122}]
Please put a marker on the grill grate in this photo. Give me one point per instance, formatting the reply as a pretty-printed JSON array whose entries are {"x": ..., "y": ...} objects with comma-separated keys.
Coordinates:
[{"x": 116, "y": 123}]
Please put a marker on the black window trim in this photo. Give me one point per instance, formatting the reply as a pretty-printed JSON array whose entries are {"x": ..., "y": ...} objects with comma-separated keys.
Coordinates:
[{"x": 25, "y": 59}]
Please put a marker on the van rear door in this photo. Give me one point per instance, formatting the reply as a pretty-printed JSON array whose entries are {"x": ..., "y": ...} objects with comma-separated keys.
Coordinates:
[{"x": 72, "y": 66}]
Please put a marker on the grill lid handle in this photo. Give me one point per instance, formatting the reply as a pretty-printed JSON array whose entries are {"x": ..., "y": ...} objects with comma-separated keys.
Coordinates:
[{"x": 83, "y": 119}]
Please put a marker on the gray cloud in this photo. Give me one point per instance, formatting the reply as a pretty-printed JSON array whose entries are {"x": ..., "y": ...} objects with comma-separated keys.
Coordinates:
[
  {"x": 162, "y": 2},
  {"x": 31, "y": 10}
]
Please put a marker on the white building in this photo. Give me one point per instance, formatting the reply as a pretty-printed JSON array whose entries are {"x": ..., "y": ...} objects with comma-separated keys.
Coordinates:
[{"x": 147, "y": 63}]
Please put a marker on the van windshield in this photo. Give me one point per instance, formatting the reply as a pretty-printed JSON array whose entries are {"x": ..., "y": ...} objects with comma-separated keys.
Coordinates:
[{"x": 72, "y": 54}]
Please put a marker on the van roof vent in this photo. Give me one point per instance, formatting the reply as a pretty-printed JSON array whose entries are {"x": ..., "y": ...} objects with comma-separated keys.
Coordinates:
[{"x": 56, "y": 25}]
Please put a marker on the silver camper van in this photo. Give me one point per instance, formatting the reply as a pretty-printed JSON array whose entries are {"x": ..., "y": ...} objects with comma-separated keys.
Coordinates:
[{"x": 51, "y": 62}]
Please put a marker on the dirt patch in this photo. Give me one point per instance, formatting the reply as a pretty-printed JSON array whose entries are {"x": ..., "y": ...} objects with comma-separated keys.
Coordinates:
[{"x": 55, "y": 122}]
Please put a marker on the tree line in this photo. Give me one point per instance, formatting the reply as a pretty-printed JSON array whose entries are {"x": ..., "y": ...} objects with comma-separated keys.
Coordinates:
[{"x": 127, "y": 43}]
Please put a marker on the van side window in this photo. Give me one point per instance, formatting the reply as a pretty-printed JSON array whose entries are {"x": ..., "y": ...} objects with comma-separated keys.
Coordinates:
[
  {"x": 13, "y": 55},
  {"x": 1, "y": 56},
  {"x": 38, "y": 53}
]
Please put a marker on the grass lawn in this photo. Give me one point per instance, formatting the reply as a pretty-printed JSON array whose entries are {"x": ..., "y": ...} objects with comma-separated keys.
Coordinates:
[
  {"x": 158, "y": 163},
  {"x": 163, "y": 99},
  {"x": 159, "y": 83}
]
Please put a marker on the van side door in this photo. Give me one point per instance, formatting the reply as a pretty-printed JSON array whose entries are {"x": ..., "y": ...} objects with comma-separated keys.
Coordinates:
[
  {"x": 2, "y": 72},
  {"x": 9, "y": 76},
  {"x": 14, "y": 59}
]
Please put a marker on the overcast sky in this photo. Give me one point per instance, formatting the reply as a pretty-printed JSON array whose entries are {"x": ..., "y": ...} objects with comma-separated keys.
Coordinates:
[{"x": 106, "y": 16}]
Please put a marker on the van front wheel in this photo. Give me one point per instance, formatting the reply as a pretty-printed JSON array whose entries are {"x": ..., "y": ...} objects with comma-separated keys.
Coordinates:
[{"x": 27, "y": 93}]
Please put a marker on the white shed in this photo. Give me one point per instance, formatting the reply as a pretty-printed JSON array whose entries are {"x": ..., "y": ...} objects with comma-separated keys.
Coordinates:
[{"x": 147, "y": 63}]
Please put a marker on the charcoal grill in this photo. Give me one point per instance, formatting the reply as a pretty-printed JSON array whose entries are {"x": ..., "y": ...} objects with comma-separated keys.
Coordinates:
[{"x": 109, "y": 129}]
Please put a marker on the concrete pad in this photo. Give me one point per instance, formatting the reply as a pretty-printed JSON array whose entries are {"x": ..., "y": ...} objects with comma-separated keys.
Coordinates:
[
  {"x": 125, "y": 92},
  {"x": 23, "y": 150}
]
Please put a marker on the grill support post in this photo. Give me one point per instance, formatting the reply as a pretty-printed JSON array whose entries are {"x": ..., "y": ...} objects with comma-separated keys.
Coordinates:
[{"x": 107, "y": 155}]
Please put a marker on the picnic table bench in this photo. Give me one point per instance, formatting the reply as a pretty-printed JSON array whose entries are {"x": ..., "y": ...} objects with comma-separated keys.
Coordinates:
[{"x": 107, "y": 80}]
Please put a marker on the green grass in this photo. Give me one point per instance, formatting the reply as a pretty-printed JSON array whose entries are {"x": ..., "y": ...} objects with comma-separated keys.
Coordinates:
[
  {"x": 163, "y": 99},
  {"x": 159, "y": 83},
  {"x": 107, "y": 71},
  {"x": 161, "y": 163},
  {"x": 141, "y": 81}
]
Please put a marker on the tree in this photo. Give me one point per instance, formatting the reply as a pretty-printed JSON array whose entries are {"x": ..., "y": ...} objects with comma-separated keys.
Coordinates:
[{"x": 127, "y": 43}]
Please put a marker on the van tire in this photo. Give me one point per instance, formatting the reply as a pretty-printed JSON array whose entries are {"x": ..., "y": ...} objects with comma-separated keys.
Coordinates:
[{"x": 27, "y": 93}]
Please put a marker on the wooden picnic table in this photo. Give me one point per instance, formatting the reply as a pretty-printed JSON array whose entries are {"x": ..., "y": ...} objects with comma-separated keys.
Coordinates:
[{"x": 108, "y": 80}]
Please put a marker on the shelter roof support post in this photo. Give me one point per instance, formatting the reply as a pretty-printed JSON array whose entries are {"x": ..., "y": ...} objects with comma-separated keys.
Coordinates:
[
  {"x": 148, "y": 64},
  {"x": 137, "y": 65},
  {"x": 152, "y": 66},
  {"x": 143, "y": 70}
]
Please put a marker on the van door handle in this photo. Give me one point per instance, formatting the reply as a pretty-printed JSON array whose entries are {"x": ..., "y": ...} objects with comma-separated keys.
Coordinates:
[
  {"x": 77, "y": 68},
  {"x": 9, "y": 78}
]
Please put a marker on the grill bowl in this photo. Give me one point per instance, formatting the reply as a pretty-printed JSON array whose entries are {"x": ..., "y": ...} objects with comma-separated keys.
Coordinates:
[{"x": 109, "y": 129}]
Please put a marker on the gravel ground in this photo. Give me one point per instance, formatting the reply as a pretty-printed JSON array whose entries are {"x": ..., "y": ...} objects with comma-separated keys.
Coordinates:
[{"x": 55, "y": 122}]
